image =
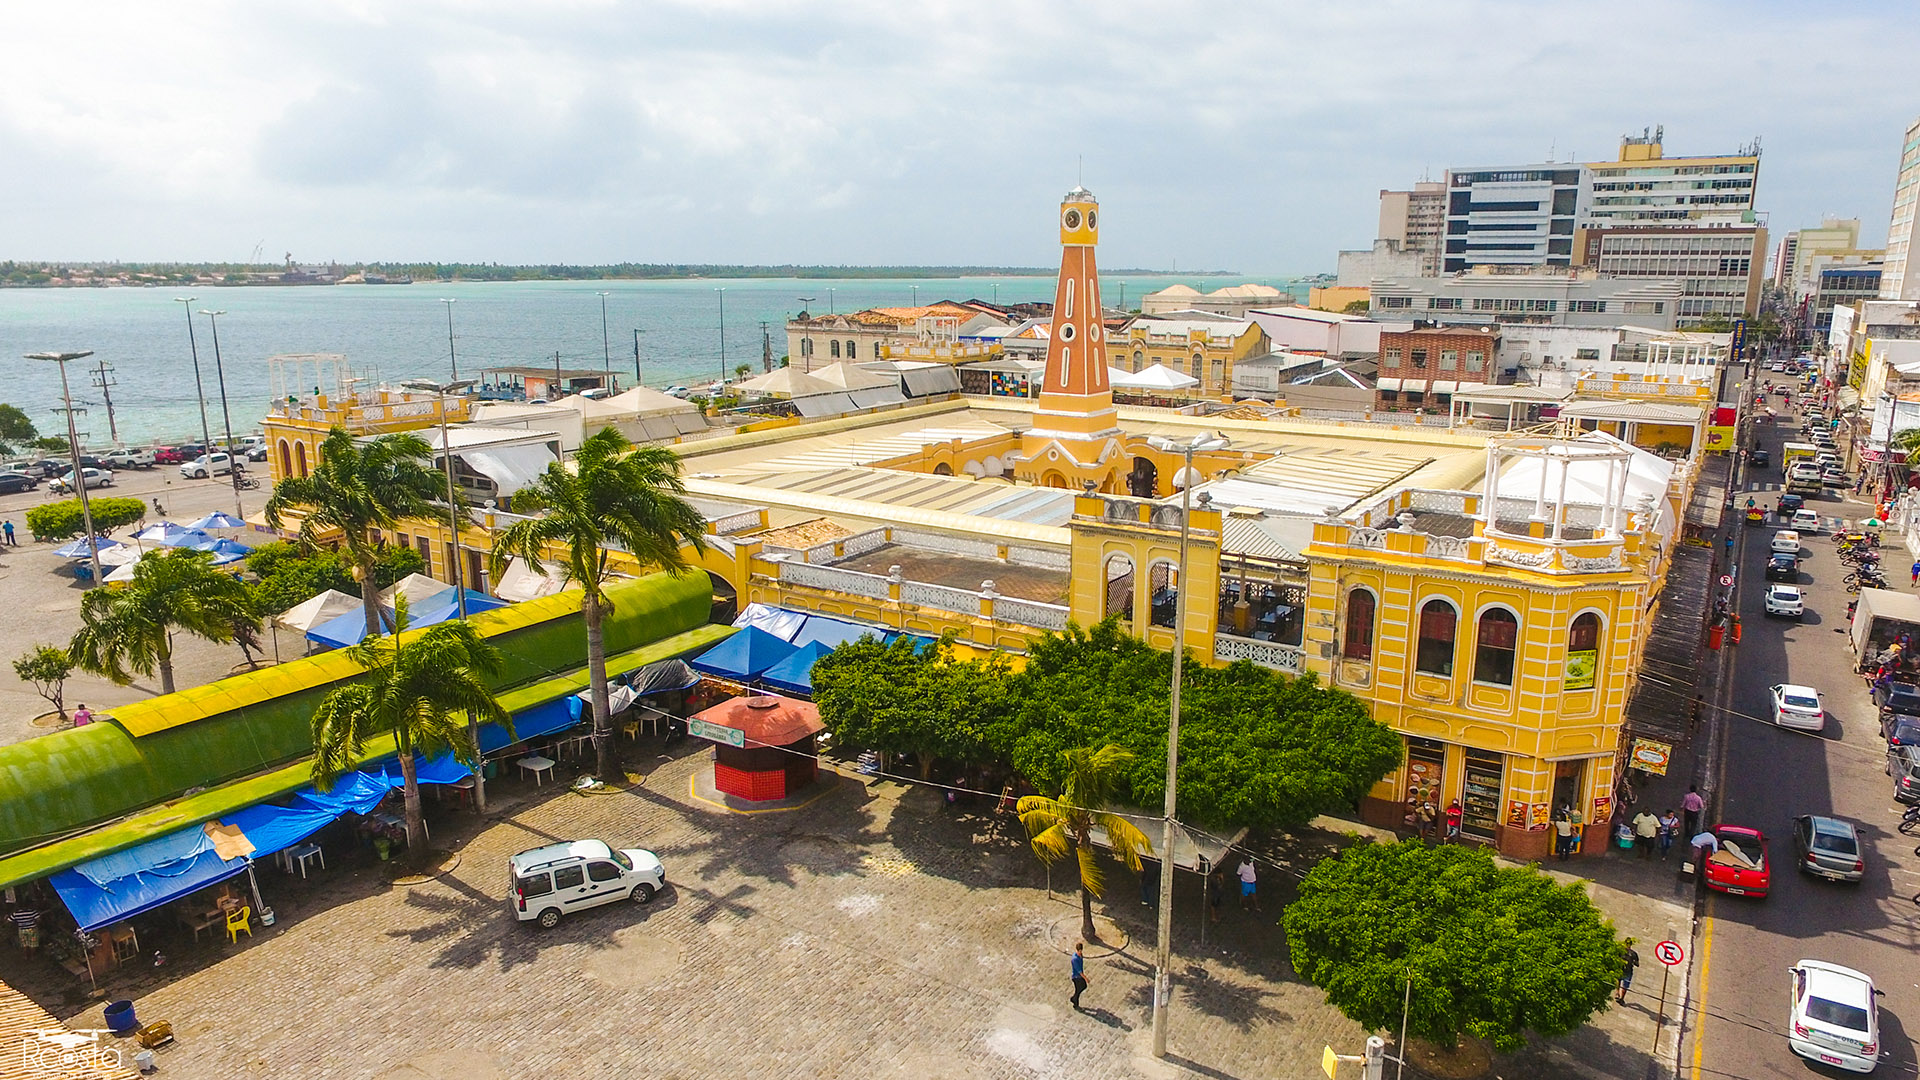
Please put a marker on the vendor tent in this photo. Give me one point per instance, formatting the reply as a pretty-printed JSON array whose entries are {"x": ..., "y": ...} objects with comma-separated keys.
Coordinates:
[
  {"x": 351, "y": 627},
  {"x": 417, "y": 588},
  {"x": 1153, "y": 377},
  {"x": 831, "y": 632},
  {"x": 743, "y": 656},
  {"x": 645, "y": 401},
  {"x": 794, "y": 675},
  {"x": 81, "y": 548},
  {"x": 126, "y": 883},
  {"x": 847, "y": 377},
  {"x": 787, "y": 382},
  {"x": 518, "y": 582},
  {"x": 315, "y": 610}
]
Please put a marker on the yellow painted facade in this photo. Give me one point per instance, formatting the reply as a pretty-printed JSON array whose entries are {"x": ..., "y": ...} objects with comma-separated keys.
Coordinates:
[
  {"x": 1205, "y": 351},
  {"x": 296, "y": 427}
]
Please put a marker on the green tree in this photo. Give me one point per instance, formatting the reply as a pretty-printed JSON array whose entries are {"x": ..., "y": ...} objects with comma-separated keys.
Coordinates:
[
  {"x": 47, "y": 668},
  {"x": 420, "y": 688},
  {"x": 1493, "y": 952},
  {"x": 16, "y": 429},
  {"x": 52, "y": 444},
  {"x": 741, "y": 371},
  {"x": 1905, "y": 441},
  {"x": 1061, "y": 825},
  {"x": 60, "y": 520},
  {"x": 1358, "y": 307},
  {"x": 358, "y": 487},
  {"x": 129, "y": 628},
  {"x": 907, "y": 700},
  {"x": 615, "y": 494}
]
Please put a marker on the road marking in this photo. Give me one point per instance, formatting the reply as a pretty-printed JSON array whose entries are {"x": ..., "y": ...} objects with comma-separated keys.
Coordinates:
[{"x": 1706, "y": 955}]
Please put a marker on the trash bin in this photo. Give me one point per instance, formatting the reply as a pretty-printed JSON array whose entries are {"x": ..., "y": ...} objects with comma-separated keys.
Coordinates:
[{"x": 120, "y": 1017}]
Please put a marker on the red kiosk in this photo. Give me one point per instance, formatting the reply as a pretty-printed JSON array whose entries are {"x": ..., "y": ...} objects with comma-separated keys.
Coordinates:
[{"x": 763, "y": 746}]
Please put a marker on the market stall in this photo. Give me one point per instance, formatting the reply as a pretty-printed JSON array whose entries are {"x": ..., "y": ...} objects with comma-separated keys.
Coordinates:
[{"x": 764, "y": 747}]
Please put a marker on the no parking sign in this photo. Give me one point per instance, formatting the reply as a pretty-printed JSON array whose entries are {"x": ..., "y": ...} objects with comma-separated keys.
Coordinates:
[{"x": 1669, "y": 953}]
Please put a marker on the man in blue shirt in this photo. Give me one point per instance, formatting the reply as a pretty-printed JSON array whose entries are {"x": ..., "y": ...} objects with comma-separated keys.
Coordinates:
[{"x": 1079, "y": 973}]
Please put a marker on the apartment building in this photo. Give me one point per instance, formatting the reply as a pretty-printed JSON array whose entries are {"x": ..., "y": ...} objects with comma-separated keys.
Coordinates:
[
  {"x": 1415, "y": 221},
  {"x": 1719, "y": 267},
  {"x": 1513, "y": 216}
]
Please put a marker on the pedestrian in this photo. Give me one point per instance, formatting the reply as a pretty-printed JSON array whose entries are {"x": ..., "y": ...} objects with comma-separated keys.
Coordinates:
[
  {"x": 1247, "y": 895},
  {"x": 1699, "y": 706},
  {"x": 82, "y": 716},
  {"x": 1669, "y": 828},
  {"x": 1579, "y": 823},
  {"x": 1692, "y": 803},
  {"x": 26, "y": 923},
  {"x": 1646, "y": 830},
  {"x": 1149, "y": 880},
  {"x": 1219, "y": 889},
  {"x": 1423, "y": 820},
  {"x": 1078, "y": 966},
  {"x": 1916, "y": 562},
  {"x": 1454, "y": 813},
  {"x": 7, "y": 525},
  {"x": 1705, "y": 844},
  {"x": 1563, "y": 836},
  {"x": 1626, "y": 972}
]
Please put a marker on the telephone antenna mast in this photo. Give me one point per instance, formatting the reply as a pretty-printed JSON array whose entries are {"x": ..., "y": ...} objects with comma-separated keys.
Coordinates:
[{"x": 103, "y": 378}]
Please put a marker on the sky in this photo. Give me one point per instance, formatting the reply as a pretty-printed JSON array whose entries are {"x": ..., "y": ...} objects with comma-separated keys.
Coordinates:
[{"x": 1252, "y": 137}]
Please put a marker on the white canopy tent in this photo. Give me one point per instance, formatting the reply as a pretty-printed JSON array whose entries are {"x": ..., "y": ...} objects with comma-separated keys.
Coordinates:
[
  {"x": 519, "y": 582},
  {"x": 417, "y": 588},
  {"x": 787, "y": 382},
  {"x": 315, "y": 610},
  {"x": 847, "y": 377},
  {"x": 1153, "y": 377}
]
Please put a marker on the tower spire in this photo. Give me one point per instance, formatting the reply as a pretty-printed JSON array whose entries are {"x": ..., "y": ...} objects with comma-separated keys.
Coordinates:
[{"x": 1074, "y": 437}]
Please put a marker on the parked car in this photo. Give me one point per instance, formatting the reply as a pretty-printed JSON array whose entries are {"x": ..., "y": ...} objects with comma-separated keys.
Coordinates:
[
  {"x": 1760, "y": 459},
  {"x": 1782, "y": 568},
  {"x": 168, "y": 455},
  {"x": 1785, "y": 599},
  {"x": 257, "y": 452},
  {"x": 1739, "y": 867},
  {"x": 1903, "y": 764},
  {"x": 1834, "y": 1017},
  {"x": 1806, "y": 521},
  {"x": 1798, "y": 707},
  {"x": 1828, "y": 847},
  {"x": 128, "y": 457},
  {"x": 1789, "y": 504},
  {"x": 1786, "y": 542},
  {"x": 15, "y": 482},
  {"x": 1897, "y": 697},
  {"x": 215, "y": 464},
  {"x": 1803, "y": 472},
  {"x": 1900, "y": 729},
  {"x": 1833, "y": 476},
  {"x": 558, "y": 879},
  {"x": 678, "y": 391},
  {"x": 92, "y": 478}
]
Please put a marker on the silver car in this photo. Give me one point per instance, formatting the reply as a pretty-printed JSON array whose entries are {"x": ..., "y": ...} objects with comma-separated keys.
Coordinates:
[{"x": 1828, "y": 847}]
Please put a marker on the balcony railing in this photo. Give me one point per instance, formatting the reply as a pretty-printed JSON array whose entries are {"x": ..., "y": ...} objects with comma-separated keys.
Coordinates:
[{"x": 1287, "y": 658}]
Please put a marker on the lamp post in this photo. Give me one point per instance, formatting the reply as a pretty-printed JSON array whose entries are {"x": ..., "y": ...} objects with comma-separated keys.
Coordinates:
[
  {"x": 606, "y": 350},
  {"x": 722, "y": 290},
  {"x": 637, "y": 381},
  {"x": 916, "y": 294},
  {"x": 199, "y": 391},
  {"x": 233, "y": 467},
  {"x": 1163, "y": 962},
  {"x": 453, "y": 365},
  {"x": 830, "y": 301},
  {"x": 442, "y": 390},
  {"x": 73, "y": 451}
]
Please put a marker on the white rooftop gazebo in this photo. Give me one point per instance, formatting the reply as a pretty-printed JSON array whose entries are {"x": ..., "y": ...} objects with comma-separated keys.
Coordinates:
[{"x": 1154, "y": 377}]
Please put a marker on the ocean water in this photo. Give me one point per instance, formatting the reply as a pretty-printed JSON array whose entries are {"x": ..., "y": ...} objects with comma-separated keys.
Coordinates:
[{"x": 394, "y": 332}]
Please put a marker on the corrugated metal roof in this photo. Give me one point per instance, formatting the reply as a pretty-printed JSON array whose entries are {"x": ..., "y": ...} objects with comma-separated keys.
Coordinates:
[{"x": 1267, "y": 536}]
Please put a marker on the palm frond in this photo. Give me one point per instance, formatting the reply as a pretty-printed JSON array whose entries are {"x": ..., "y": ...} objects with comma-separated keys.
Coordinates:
[{"x": 1092, "y": 877}]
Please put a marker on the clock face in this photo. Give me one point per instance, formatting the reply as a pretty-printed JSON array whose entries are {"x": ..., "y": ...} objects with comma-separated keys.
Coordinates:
[
  {"x": 1071, "y": 219},
  {"x": 1093, "y": 219}
]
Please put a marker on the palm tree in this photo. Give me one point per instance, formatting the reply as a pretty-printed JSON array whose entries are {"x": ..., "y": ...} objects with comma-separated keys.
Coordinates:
[
  {"x": 1063, "y": 825},
  {"x": 358, "y": 487},
  {"x": 1905, "y": 441},
  {"x": 616, "y": 494},
  {"x": 127, "y": 629},
  {"x": 421, "y": 691}
]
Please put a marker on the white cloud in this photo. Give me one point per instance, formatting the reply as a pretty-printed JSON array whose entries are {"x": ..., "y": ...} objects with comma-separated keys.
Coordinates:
[{"x": 863, "y": 131}]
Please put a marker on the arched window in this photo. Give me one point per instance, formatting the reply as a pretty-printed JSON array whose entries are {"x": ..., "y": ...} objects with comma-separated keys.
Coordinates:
[
  {"x": 1119, "y": 599},
  {"x": 806, "y": 346},
  {"x": 1359, "y": 645},
  {"x": 1583, "y": 651},
  {"x": 1164, "y": 598},
  {"x": 1139, "y": 360},
  {"x": 286, "y": 459},
  {"x": 1494, "y": 645},
  {"x": 1433, "y": 654},
  {"x": 850, "y": 350},
  {"x": 834, "y": 346},
  {"x": 1198, "y": 365},
  {"x": 300, "y": 458}
]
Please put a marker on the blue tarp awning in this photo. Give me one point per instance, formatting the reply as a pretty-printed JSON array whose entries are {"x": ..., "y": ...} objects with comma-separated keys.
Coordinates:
[
  {"x": 794, "y": 675},
  {"x": 556, "y": 715},
  {"x": 743, "y": 656},
  {"x": 82, "y": 548},
  {"x": 126, "y": 883},
  {"x": 832, "y": 632},
  {"x": 347, "y": 629}
]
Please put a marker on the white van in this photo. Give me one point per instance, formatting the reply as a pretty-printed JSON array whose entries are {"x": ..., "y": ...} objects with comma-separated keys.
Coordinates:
[
  {"x": 1786, "y": 541},
  {"x": 558, "y": 879}
]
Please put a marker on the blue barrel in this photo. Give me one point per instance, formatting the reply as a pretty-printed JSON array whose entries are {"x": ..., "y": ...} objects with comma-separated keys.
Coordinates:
[{"x": 120, "y": 1017}]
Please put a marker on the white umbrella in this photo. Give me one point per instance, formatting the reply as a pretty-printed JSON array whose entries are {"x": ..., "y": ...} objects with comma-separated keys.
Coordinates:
[
  {"x": 122, "y": 573},
  {"x": 122, "y": 555}
]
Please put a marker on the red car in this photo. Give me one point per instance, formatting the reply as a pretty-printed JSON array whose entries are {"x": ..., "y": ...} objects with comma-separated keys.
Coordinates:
[
  {"x": 166, "y": 455},
  {"x": 1740, "y": 867}
]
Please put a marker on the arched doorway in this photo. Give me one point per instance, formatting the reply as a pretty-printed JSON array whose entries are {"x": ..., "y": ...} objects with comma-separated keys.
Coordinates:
[
  {"x": 943, "y": 469},
  {"x": 286, "y": 459},
  {"x": 1144, "y": 481},
  {"x": 1119, "y": 593},
  {"x": 1053, "y": 480},
  {"x": 300, "y": 458}
]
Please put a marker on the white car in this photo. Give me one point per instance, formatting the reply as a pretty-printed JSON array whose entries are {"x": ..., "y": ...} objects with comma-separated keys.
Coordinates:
[
  {"x": 128, "y": 457},
  {"x": 678, "y": 391},
  {"x": 215, "y": 464},
  {"x": 1786, "y": 542},
  {"x": 93, "y": 478},
  {"x": 1835, "y": 1017},
  {"x": 558, "y": 879},
  {"x": 1785, "y": 600},
  {"x": 1798, "y": 707},
  {"x": 1807, "y": 521}
]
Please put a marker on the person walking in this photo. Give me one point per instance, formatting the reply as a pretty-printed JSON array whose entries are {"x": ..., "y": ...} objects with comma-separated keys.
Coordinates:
[
  {"x": 7, "y": 525},
  {"x": 1219, "y": 889},
  {"x": 1669, "y": 828},
  {"x": 1454, "y": 814},
  {"x": 26, "y": 923},
  {"x": 1915, "y": 581},
  {"x": 1247, "y": 884},
  {"x": 1646, "y": 830},
  {"x": 1149, "y": 880},
  {"x": 1693, "y": 804},
  {"x": 1626, "y": 971},
  {"x": 1078, "y": 966},
  {"x": 1423, "y": 820}
]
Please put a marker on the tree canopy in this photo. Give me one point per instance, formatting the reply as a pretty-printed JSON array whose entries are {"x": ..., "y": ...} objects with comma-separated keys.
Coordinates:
[
  {"x": 290, "y": 574},
  {"x": 128, "y": 629},
  {"x": 1257, "y": 748},
  {"x": 1494, "y": 952},
  {"x": 16, "y": 429},
  {"x": 60, "y": 520}
]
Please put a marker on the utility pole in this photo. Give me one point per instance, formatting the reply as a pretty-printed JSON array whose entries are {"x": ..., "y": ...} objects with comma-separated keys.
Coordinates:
[
  {"x": 103, "y": 378},
  {"x": 199, "y": 390},
  {"x": 233, "y": 466},
  {"x": 606, "y": 351},
  {"x": 453, "y": 365},
  {"x": 636, "y": 357},
  {"x": 555, "y": 396},
  {"x": 722, "y": 290},
  {"x": 73, "y": 452},
  {"x": 766, "y": 347}
]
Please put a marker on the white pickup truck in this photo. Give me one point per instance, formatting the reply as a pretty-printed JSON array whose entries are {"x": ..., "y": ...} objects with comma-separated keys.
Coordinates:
[{"x": 128, "y": 457}]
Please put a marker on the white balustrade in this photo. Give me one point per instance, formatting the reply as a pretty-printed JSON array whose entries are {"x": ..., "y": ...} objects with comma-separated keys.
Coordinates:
[
  {"x": 826, "y": 577},
  {"x": 942, "y": 597},
  {"x": 1287, "y": 658}
]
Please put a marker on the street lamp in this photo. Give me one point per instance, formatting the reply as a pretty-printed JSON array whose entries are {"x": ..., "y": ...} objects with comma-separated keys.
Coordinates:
[
  {"x": 916, "y": 294},
  {"x": 452, "y": 364},
  {"x": 233, "y": 467},
  {"x": 830, "y": 293},
  {"x": 442, "y": 390},
  {"x": 199, "y": 391},
  {"x": 73, "y": 450},
  {"x": 637, "y": 381},
  {"x": 606, "y": 350},
  {"x": 1202, "y": 443},
  {"x": 722, "y": 290}
]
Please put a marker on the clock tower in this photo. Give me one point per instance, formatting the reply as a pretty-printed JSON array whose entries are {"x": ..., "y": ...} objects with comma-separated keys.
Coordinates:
[{"x": 1074, "y": 437}]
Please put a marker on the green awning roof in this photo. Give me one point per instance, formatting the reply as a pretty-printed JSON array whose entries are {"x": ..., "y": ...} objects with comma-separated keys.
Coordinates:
[{"x": 217, "y": 802}]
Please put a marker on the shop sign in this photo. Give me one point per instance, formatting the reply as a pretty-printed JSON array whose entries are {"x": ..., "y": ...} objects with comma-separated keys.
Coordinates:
[
  {"x": 1582, "y": 666},
  {"x": 1651, "y": 757},
  {"x": 701, "y": 729},
  {"x": 1602, "y": 808}
]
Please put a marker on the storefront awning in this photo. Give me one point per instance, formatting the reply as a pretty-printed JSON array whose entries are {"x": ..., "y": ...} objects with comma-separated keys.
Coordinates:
[
  {"x": 126, "y": 883},
  {"x": 743, "y": 656},
  {"x": 1387, "y": 382}
]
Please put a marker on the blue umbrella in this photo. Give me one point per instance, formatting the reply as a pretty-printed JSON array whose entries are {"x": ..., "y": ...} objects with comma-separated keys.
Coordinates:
[
  {"x": 219, "y": 519},
  {"x": 224, "y": 546},
  {"x": 85, "y": 546},
  {"x": 159, "y": 530},
  {"x": 187, "y": 538},
  {"x": 222, "y": 558}
]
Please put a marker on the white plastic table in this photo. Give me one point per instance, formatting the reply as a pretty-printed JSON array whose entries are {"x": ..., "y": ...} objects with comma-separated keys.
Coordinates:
[{"x": 538, "y": 766}]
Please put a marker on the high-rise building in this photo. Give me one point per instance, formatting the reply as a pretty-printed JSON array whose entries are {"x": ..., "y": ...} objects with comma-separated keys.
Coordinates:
[
  {"x": 1718, "y": 267},
  {"x": 1512, "y": 216},
  {"x": 1645, "y": 186},
  {"x": 1415, "y": 220},
  {"x": 1895, "y": 281},
  {"x": 1807, "y": 251}
]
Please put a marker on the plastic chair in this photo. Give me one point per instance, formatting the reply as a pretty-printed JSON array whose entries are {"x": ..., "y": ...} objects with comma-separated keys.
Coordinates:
[{"x": 238, "y": 920}]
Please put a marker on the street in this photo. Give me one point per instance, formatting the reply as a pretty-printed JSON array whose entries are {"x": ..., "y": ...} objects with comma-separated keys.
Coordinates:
[{"x": 1771, "y": 775}]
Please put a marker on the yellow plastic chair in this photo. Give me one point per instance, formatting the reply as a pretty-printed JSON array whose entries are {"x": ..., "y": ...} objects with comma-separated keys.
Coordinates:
[{"x": 237, "y": 920}]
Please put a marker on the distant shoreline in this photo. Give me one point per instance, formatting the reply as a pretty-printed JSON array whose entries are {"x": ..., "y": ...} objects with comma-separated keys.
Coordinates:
[{"x": 77, "y": 275}]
